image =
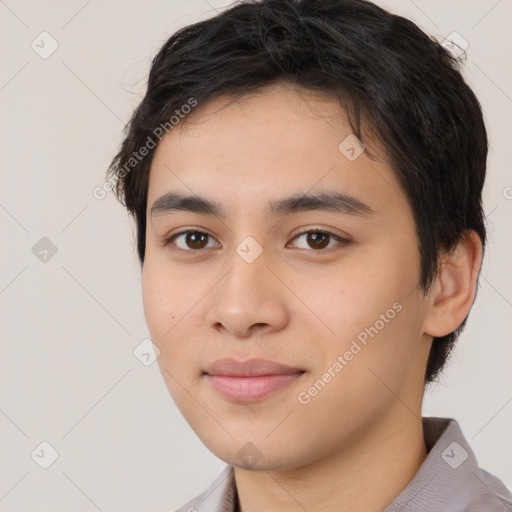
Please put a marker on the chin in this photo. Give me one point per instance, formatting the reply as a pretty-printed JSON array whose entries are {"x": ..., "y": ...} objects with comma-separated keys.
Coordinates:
[{"x": 255, "y": 453}]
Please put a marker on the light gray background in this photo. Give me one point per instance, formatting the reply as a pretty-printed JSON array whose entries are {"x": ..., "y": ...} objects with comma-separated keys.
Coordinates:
[{"x": 69, "y": 325}]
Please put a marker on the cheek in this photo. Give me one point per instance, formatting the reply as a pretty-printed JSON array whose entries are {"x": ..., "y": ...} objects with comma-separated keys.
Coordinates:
[
  {"x": 172, "y": 307},
  {"x": 167, "y": 296},
  {"x": 157, "y": 306},
  {"x": 363, "y": 373},
  {"x": 163, "y": 308},
  {"x": 165, "y": 315},
  {"x": 376, "y": 318},
  {"x": 356, "y": 304}
]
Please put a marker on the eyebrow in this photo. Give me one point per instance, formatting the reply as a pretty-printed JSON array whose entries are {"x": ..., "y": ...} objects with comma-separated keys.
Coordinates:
[{"x": 320, "y": 201}]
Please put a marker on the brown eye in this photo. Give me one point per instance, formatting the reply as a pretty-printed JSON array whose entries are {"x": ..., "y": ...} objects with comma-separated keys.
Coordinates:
[
  {"x": 196, "y": 240},
  {"x": 319, "y": 240},
  {"x": 190, "y": 240}
]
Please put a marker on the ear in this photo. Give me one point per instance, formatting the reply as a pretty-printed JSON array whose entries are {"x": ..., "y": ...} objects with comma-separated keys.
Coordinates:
[{"x": 453, "y": 291}]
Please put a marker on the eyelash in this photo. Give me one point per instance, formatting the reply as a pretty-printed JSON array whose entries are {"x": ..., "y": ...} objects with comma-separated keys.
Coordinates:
[{"x": 168, "y": 241}]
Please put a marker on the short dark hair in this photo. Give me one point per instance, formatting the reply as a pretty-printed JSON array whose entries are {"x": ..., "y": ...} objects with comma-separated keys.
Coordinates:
[{"x": 384, "y": 71}]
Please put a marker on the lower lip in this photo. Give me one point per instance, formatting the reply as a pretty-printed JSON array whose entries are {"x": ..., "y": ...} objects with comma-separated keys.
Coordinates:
[{"x": 248, "y": 389}]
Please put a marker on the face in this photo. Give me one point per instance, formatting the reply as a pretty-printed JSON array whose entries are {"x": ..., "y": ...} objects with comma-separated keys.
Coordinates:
[{"x": 294, "y": 252}]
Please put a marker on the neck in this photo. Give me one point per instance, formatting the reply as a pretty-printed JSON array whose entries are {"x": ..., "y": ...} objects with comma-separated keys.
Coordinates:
[{"x": 366, "y": 475}]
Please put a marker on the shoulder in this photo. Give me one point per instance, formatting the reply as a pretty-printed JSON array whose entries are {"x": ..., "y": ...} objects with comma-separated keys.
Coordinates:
[
  {"x": 490, "y": 494},
  {"x": 450, "y": 479}
]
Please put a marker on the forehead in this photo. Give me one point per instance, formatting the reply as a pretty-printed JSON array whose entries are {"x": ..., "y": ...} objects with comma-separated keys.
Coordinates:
[
  {"x": 279, "y": 115},
  {"x": 279, "y": 139}
]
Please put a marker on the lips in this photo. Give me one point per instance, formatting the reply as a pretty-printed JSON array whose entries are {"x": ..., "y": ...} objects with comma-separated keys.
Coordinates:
[
  {"x": 250, "y": 380},
  {"x": 229, "y": 367}
]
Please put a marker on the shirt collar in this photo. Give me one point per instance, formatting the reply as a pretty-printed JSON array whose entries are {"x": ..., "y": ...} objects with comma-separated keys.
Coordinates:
[{"x": 449, "y": 480}]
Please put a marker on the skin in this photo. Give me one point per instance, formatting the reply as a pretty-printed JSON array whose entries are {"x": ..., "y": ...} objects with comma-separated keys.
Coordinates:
[{"x": 359, "y": 441}]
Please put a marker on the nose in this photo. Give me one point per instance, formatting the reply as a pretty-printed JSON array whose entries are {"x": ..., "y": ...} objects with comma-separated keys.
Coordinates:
[{"x": 249, "y": 299}]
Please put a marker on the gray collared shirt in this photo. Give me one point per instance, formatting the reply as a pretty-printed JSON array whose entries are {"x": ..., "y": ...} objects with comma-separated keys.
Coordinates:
[{"x": 449, "y": 480}]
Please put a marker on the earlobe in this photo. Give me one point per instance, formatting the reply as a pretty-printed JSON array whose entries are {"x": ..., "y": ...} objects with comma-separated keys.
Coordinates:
[{"x": 453, "y": 291}]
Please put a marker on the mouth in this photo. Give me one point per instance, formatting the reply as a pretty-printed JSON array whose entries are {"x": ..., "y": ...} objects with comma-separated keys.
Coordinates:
[{"x": 250, "y": 380}]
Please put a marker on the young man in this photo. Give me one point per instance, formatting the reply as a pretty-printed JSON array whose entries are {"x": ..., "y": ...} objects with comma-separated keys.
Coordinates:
[{"x": 306, "y": 181}]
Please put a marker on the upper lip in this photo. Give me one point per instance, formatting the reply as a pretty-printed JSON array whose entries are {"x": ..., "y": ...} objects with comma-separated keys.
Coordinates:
[{"x": 250, "y": 368}]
